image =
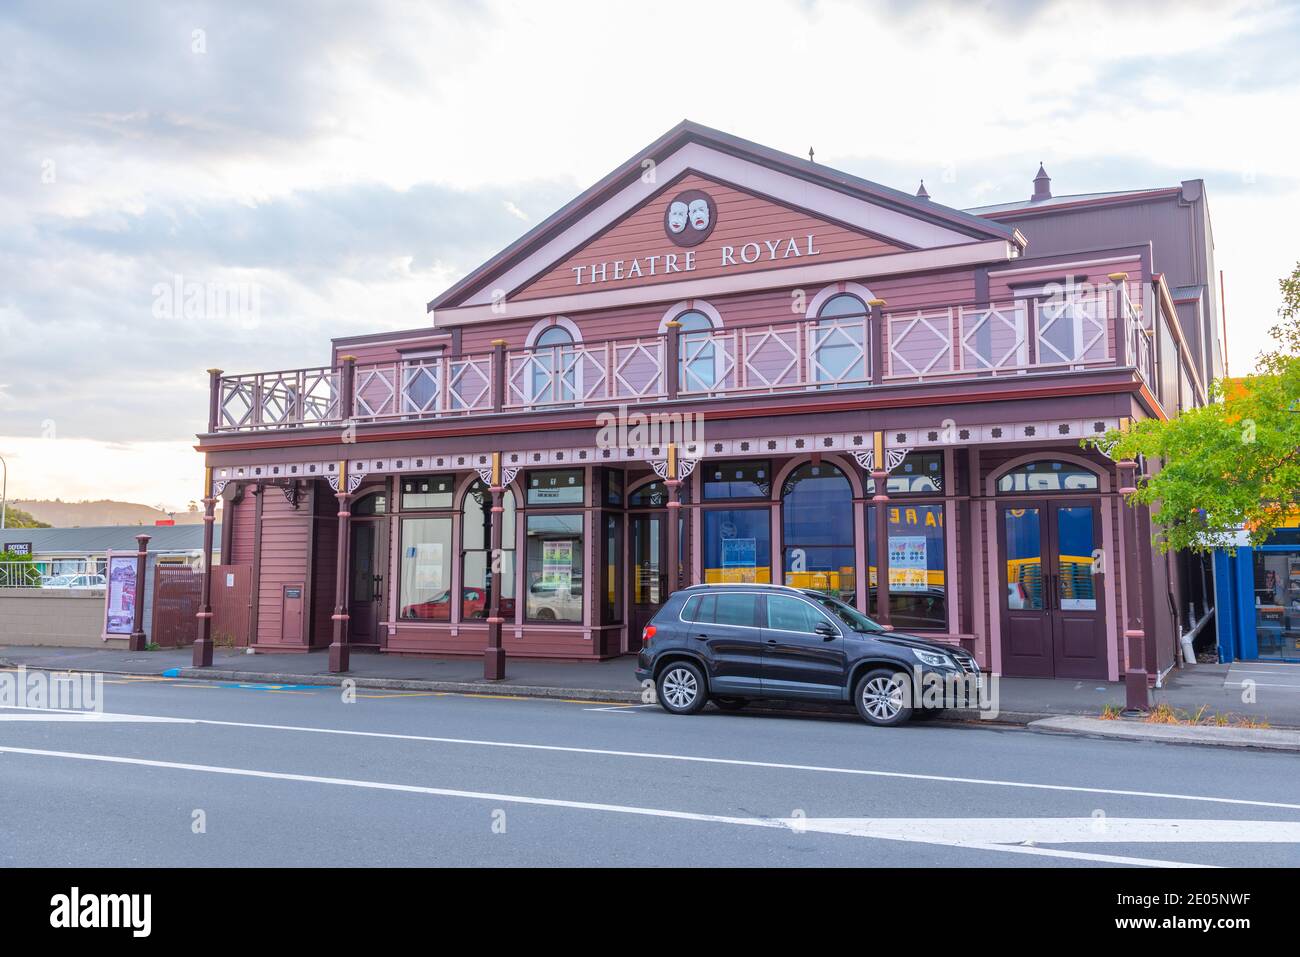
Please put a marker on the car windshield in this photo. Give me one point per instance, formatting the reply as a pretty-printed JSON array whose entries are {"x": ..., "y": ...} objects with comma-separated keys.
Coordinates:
[{"x": 846, "y": 613}]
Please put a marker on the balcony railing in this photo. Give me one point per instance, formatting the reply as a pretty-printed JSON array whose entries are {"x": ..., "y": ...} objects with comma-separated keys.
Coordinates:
[
  {"x": 421, "y": 388},
  {"x": 279, "y": 400},
  {"x": 1012, "y": 337},
  {"x": 629, "y": 370}
]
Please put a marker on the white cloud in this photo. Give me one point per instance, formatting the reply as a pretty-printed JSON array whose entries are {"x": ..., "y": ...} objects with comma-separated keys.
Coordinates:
[{"x": 353, "y": 161}]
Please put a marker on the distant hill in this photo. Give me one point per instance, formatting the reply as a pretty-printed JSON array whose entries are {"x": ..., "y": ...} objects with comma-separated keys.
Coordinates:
[
  {"x": 88, "y": 514},
  {"x": 17, "y": 518}
]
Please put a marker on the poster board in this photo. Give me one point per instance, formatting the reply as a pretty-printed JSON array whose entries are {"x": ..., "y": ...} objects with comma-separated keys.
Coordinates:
[
  {"x": 120, "y": 596},
  {"x": 557, "y": 565},
  {"x": 908, "y": 563}
]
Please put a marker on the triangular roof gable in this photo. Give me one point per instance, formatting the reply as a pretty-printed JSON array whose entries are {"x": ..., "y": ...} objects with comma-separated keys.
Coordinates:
[
  {"x": 883, "y": 214},
  {"x": 745, "y": 232}
]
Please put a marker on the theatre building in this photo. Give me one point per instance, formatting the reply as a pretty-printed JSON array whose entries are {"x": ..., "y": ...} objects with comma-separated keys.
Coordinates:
[{"x": 724, "y": 363}]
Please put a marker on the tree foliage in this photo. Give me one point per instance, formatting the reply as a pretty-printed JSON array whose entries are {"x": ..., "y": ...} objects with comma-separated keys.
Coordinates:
[{"x": 1233, "y": 463}]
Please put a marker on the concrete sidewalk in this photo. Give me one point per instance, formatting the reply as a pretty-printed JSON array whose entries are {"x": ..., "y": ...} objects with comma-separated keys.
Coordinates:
[{"x": 1021, "y": 700}]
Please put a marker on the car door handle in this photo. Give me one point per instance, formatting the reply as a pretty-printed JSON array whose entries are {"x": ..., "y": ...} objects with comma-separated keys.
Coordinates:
[{"x": 771, "y": 641}]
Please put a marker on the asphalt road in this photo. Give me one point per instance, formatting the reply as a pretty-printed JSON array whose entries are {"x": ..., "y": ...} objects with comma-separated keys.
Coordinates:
[{"x": 204, "y": 773}]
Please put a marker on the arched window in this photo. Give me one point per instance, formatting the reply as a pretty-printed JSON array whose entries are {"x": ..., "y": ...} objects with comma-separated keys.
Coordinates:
[
  {"x": 837, "y": 342},
  {"x": 476, "y": 553},
  {"x": 554, "y": 371},
  {"x": 1048, "y": 475},
  {"x": 376, "y": 503},
  {"x": 700, "y": 360},
  {"x": 817, "y": 530}
]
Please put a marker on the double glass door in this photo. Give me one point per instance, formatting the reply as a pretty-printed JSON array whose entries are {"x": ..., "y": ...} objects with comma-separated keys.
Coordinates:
[
  {"x": 1053, "y": 577},
  {"x": 648, "y": 562}
]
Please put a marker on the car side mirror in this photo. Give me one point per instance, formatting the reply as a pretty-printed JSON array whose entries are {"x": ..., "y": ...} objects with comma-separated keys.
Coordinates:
[{"x": 826, "y": 630}]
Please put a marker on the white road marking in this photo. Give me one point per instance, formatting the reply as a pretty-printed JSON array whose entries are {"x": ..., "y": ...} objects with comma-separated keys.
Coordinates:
[
  {"x": 795, "y": 825},
  {"x": 92, "y": 717},
  {"x": 622, "y": 708},
  {"x": 1060, "y": 830},
  {"x": 741, "y": 762}
]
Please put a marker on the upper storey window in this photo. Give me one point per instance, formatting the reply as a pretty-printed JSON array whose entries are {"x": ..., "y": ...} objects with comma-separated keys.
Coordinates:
[
  {"x": 699, "y": 357},
  {"x": 837, "y": 341},
  {"x": 554, "y": 375}
]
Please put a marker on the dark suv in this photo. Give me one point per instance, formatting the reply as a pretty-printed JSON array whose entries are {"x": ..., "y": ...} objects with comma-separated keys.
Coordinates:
[{"x": 733, "y": 643}]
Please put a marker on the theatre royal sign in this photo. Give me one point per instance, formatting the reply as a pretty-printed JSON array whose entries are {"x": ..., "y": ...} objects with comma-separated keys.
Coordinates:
[{"x": 689, "y": 219}]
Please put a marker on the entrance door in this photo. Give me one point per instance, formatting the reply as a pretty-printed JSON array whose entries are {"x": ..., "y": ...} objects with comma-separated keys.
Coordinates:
[
  {"x": 1053, "y": 613},
  {"x": 366, "y": 582},
  {"x": 648, "y": 551}
]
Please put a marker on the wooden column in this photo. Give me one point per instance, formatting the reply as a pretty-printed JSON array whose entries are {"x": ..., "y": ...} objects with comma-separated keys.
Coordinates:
[
  {"x": 881, "y": 501},
  {"x": 339, "y": 649},
  {"x": 1122, "y": 357},
  {"x": 1137, "y": 696},
  {"x": 672, "y": 357},
  {"x": 347, "y": 390},
  {"x": 674, "y": 513},
  {"x": 202, "y": 657},
  {"x": 214, "y": 399},
  {"x": 498, "y": 374},
  {"x": 136, "y": 641},
  {"x": 877, "y": 340},
  {"x": 494, "y": 655}
]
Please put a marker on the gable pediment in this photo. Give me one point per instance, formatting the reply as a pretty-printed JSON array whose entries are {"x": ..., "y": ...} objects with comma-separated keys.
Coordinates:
[
  {"x": 702, "y": 206},
  {"x": 698, "y": 227}
]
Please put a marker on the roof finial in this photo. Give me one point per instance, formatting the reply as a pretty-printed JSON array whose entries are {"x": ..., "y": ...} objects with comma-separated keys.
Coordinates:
[
  {"x": 922, "y": 193},
  {"x": 810, "y": 155},
  {"x": 1042, "y": 185}
]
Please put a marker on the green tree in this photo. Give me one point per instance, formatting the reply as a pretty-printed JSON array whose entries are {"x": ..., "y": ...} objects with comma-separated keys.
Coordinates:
[
  {"x": 17, "y": 518},
  {"x": 1231, "y": 464}
]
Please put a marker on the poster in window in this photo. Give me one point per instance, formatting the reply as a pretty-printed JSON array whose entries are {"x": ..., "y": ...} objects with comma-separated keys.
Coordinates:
[
  {"x": 739, "y": 559},
  {"x": 119, "y": 614},
  {"x": 426, "y": 558},
  {"x": 557, "y": 565},
  {"x": 908, "y": 563}
]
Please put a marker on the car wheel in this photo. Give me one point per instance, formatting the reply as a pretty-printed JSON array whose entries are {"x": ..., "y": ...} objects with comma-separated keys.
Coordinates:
[
  {"x": 681, "y": 688},
  {"x": 881, "y": 698},
  {"x": 731, "y": 704}
]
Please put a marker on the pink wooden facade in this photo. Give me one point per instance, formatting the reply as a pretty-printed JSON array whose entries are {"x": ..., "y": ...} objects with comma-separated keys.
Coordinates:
[{"x": 829, "y": 324}]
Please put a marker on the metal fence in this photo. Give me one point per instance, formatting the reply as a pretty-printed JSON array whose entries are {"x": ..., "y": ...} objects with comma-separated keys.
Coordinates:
[{"x": 63, "y": 573}]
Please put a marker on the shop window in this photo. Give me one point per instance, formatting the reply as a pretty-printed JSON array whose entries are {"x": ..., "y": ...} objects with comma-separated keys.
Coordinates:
[
  {"x": 613, "y": 480},
  {"x": 920, "y": 473},
  {"x": 373, "y": 504},
  {"x": 655, "y": 495},
  {"x": 426, "y": 492},
  {"x": 743, "y": 479},
  {"x": 1047, "y": 475},
  {"x": 555, "y": 576},
  {"x": 918, "y": 580},
  {"x": 425, "y": 591},
  {"x": 613, "y": 592},
  {"x": 476, "y": 553},
  {"x": 817, "y": 529},
  {"x": 556, "y": 487},
  {"x": 1277, "y": 602},
  {"x": 737, "y": 545}
]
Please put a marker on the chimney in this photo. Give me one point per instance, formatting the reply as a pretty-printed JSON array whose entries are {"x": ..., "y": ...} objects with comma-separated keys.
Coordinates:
[
  {"x": 1042, "y": 185},
  {"x": 921, "y": 193}
]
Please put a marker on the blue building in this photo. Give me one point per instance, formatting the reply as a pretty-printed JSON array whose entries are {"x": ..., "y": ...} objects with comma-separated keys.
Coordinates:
[{"x": 1257, "y": 592}]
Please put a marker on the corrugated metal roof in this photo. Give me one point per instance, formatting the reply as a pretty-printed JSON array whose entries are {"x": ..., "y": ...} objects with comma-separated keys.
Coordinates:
[
  {"x": 95, "y": 540},
  {"x": 1054, "y": 201}
]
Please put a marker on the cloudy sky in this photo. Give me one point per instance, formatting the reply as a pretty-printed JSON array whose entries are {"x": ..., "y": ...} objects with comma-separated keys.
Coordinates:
[{"x": 334, "y": 166}]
